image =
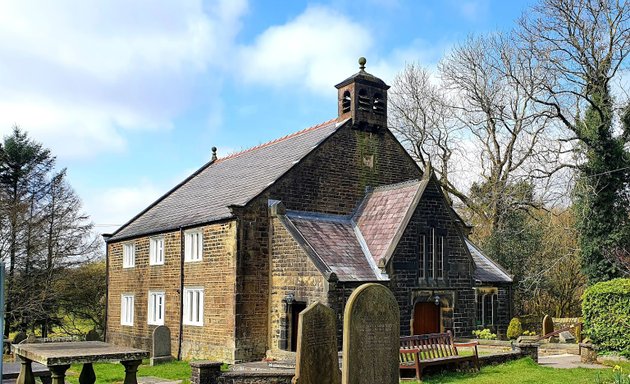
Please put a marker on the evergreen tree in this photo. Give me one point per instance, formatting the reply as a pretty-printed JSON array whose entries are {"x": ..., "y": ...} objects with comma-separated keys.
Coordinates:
[{"x": 43, "y": 231}]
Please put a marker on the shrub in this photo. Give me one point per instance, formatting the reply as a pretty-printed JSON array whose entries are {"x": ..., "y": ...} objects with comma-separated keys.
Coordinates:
[
  {"x": 484, "y": 334},
  {"x": 606, "y": 311},
  {"x": 529, "y": 333},
  {"x": 515, "y": 329}
]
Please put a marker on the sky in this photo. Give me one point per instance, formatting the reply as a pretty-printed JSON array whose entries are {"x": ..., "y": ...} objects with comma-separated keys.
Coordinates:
[{"x": 130, "y": 96}]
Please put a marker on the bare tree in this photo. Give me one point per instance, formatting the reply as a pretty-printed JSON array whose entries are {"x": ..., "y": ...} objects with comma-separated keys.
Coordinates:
[
  {"x": 582, "y": 45},
  {"x": 477, "y": 120}
]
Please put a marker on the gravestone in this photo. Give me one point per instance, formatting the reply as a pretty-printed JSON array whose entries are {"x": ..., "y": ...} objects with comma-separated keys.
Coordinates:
[
  {"x": 19, "y": 337},
  {"x": 31, "y": 339},
  {"x": 547, "y": 325},
  {"x": 161, "y": 349},
  {"x": 92, "y": 335},
  {"x": 566, "y": 337},
  {"x": 317, "y": 360},
  {"x": 371, "y": 336}
]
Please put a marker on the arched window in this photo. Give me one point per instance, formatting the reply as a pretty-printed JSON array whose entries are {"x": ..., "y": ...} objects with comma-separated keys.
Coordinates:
[
  {"x": 379, "y": 104},
  {"x": 364, "y": 100},
  {"x": 346, "y": 102}
]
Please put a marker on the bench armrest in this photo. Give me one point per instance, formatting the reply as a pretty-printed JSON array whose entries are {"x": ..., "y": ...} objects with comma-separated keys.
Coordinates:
[
  {"x": 469, "y": 344},
  {"x": 409, "y": 350}
]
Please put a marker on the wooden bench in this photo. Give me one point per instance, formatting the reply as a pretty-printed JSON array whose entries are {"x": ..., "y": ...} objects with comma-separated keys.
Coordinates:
[{"x": 419, "y": 351}]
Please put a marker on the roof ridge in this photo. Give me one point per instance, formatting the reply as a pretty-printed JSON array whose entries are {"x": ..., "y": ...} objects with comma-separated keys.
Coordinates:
[
  {"x": 388, "y": 187},
  {"x": 318, "y": 216},
  {"x": 283, "y": 138}
]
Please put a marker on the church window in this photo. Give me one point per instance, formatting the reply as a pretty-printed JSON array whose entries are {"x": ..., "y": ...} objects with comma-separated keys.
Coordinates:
[{"x": 432, "y": 258}]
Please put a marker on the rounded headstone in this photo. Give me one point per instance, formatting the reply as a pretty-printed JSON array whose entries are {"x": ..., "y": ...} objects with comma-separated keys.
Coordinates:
[
  {"x": 547, "y": 325},
  {"x": 317, "y": 360},
  {"x": 19, "y": 337},
  {"x": 371, "y": 336}
]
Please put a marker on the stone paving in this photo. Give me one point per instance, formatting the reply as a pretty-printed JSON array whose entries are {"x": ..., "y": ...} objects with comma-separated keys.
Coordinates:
[{"x": 566, "y": 360}]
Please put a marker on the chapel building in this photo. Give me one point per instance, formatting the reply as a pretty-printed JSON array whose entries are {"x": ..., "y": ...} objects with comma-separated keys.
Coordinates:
[{"x": 229, "y": 257}]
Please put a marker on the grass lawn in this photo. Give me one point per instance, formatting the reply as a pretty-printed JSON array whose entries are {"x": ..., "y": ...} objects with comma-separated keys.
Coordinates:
[
  {"x": 115, "y": 372},
  {"x": 520, "y": 371},
  {"x": 526, "y": 371}
]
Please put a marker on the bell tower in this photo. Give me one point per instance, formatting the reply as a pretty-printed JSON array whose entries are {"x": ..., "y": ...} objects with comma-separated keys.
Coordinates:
[{"x": 363, "y": 97}]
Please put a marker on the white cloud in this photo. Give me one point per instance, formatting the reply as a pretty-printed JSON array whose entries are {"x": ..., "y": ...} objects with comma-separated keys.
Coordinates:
[
  {"x": 76, "y": 74},
  {"x": 114, "y": 207},
  {"x": 316, "y": 49}
]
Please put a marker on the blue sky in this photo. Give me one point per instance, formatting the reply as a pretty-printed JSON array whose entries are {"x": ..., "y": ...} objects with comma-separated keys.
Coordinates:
[{"x": 131, "y": 96}]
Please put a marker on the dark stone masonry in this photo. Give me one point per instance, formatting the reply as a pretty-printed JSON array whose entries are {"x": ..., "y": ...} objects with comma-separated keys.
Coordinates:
[{"x": 304, "y": 218}]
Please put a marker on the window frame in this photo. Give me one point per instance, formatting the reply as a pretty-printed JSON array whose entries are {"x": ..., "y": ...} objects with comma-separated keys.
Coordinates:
[
  {"x": 189, "y": 313},
  {"x": 151, "y": 308},
  {"x": 188, "y": 245},
  {"x": 153, "y": 250},
  {"x": 129, "y": 254},
  {"x": 127, "y": 309},
  {"x": 432, "y": 255}
]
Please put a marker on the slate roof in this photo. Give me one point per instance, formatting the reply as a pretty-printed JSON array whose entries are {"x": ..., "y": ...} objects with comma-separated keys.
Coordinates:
[
  {"x": 487, "y": 270},
  {"x": 335, "y": 243},
  {"x": 352, "y": 246},
  {"x": 384, "y": 214},
  {"x": 206, "y": 195}
]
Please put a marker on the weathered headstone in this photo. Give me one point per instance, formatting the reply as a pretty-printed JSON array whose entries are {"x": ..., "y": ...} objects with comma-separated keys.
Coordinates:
[
  {"x": 547, "y": 325},
  {"x": 19, "y": 337},
  {"x": 92, "y": 335},
  {"x": 566, "y": 337},
  {"x": 161, "y": 349},
  {"x": 371, "y": 336},
  {"x": 31, "y": 339},
  {"x": 317, "y": 360}
]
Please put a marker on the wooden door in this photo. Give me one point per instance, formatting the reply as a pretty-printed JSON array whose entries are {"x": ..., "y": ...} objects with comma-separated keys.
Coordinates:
[{"x": 426, "y": 318}]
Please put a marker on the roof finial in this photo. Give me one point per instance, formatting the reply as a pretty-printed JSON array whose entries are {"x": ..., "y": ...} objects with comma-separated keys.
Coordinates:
[
  {"x": 214, "y": 153},
  {"x": 362, "y": 62}
]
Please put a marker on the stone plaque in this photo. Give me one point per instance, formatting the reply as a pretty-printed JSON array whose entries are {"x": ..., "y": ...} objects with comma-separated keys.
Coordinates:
[
  {"x": 317, "y": 360},
  {"x": 547, "y": 325},
  {"x": 371, "y": 336},
  {"x": 161, "y": 349}
]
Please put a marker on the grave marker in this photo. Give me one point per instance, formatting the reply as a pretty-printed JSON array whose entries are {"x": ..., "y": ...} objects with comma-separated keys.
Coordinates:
[
  {"x": 317, "y": 360},
  {"x": 547, "y": 325},
  {"x": 161, "y": 349},
  {"x": 371, "y": 336}
]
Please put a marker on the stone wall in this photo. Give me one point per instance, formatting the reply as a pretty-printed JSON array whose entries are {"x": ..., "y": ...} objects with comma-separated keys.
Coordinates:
[
  {"x": 138, "y": 281},
  {"x": 292, "y": 272},
  {"x": 455, "y": 290},
  {"x": 331, "y": 179},
  {"x": 215, "y": 273}
]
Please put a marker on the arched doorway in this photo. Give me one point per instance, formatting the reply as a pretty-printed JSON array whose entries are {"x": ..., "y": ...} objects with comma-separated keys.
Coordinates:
[{"x": 426, "y": 318}]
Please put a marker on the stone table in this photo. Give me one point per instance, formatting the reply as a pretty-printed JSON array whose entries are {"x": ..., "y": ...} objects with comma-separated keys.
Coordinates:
[{"x": 58, "y": 357}]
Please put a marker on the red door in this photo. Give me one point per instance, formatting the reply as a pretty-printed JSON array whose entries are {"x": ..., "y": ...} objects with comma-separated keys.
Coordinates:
[{"x": 426, "y": 318}]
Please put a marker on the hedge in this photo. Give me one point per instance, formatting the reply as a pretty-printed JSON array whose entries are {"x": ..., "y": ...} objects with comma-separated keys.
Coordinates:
[{"x": 606, "y": 312}]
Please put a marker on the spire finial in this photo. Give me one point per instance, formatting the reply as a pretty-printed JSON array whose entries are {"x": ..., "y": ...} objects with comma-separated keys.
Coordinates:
[
  {"x": 362, "y": 62},
  {"x": 214, "y": 153}
]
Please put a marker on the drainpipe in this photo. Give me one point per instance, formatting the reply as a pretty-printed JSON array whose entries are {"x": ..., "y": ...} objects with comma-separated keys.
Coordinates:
[
  {"x": 181, "y": 293},
  {"x": 106, "y": 237}
]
